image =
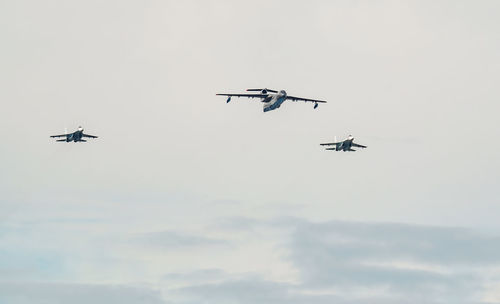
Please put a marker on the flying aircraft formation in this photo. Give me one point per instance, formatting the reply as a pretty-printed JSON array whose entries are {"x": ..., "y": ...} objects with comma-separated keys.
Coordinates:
[{"x": 271, "y": 99}]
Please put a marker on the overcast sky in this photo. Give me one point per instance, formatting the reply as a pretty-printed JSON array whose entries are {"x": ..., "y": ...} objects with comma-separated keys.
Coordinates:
[{"x": 186, "y": 199}]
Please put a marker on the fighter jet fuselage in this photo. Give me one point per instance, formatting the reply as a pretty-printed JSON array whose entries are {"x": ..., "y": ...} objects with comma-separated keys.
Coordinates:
[
  {"x": 346, "y": 145},
  {"x": 76, "y": 136}
]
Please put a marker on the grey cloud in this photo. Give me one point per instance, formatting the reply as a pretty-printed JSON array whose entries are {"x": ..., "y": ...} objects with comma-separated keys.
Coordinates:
[
  {"x": 252, "y": 290},
  {"x": 177, "y": 240},
  {"x": 405, "y": 263},
  {"x": 198, "y": 275},
  {"x": 239, "y": 223},
  {"x": 34, "y": 292},
  {"x": 364, "y": 254},
  {"x": 256, "y": 290},
  {"x": 449, "y": 246}
]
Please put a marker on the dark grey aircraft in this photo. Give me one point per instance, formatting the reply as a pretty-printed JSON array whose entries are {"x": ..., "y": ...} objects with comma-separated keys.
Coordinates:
[
  {"x": 76, "y": 136},
  {"x": 345, "y": 145}
]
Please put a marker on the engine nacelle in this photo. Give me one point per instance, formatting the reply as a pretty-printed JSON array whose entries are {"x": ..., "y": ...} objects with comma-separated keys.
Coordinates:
[{"x": 264, "y": 91}]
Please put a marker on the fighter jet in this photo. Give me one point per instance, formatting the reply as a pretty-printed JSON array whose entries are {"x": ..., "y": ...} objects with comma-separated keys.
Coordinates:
[
  {"x": 272, "y": 99},
  {"x": 76, "y": 136},
  {"x": 345, "y": 145}
]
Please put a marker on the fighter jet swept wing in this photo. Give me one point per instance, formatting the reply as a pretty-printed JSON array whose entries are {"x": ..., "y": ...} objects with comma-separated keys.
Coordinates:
[
  {"x": 89, "y": 136},
  {"x": 62, "y": 135},
  {"x": 358, "y": 146},
  {"x": 330, "y": 144}
]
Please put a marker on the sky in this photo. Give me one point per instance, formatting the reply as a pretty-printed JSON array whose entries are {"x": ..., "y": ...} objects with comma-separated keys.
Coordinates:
[{"x": 186, "y": 199}]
